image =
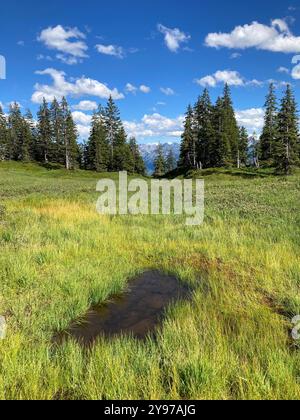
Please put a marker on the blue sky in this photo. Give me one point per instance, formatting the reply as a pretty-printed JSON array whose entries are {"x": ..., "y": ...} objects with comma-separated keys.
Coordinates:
[{"x": 154, "y": 57}]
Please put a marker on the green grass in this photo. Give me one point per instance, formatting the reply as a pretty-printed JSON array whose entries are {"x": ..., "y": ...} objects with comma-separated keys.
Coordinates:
[{"x": 233, "y": 341}]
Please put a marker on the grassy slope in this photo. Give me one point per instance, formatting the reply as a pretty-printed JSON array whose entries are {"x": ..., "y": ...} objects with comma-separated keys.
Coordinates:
[{"x": 58, "y": 257}]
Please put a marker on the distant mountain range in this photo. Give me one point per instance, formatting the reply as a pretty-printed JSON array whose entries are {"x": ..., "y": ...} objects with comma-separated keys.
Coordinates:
[{"x": 148, "y": 152}]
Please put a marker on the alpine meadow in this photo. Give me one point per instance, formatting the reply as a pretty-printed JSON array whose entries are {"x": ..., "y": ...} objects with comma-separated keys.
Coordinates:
[{"x": 136, "y": 306}]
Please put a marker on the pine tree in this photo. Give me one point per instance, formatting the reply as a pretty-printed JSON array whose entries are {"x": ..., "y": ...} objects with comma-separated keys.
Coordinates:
[
  {"x": 188, "y": 148},
  {"x": 123, "y": 158},
  {"x": 44, "y": 133},
  {"x": 159, "y": 164},
  {"x": 16, "y": 127},
  {"x": 230, "y": 127},
  {"x": 71, "y": 146},
  {"x": 139, "y": 164},
  {"x": 98, "y": 151},
  {"x": 203, "y": 129},
  {"x": 286, "y": 151},
  {"x": 242, "y": 147},
  {"x": 4, "y": 139},
  {"x": 32, "y": 135},
  {"x": 113, "y": 126},
  {"x": 57, "y": 127},
  {"x": 170, "y": 161},
  {"x": 220, "y": 152},
  {"x": 269, "y": 133}
]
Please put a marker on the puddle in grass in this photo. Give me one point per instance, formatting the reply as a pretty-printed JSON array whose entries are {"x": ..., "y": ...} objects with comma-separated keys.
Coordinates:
[{"x": 137, "y": 313}]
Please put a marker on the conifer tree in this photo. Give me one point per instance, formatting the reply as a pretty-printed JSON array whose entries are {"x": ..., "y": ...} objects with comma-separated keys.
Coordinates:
[
  {"x": 57, "y": 127},
  {"x": 113, "y": 125},
  {"x": 230, "y": 127},
  {"x": 44, "y": 133},
  {"x": 4, "y": 139},
  {"x": 188, "y": 148},
  {"x": 269, "y": 133},
  {"x": 203, "y": 129},
  {"x": 220, "y": 154},
  {"x": 123, "y": 158},
  {"x": 31, "y": 133},
  {"x": 286, "y": 151},
  {"x": 170, "y": 161},
  {"x": 159, "y": 164},
  {"x": 242, "y": 148},
  {"x": 71, "y": 146},
  {"x": 97, "y": 150},
  {"x": 139, "y": 164},
  {"x": 16, "y": 127}
]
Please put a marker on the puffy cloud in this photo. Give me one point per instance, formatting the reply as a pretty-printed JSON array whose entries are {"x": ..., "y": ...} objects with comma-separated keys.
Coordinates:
[
  {"x": 68, "y": 41},
  {"x": 81, "y": 118},
  {"x": 233, "y": 78},
  {"x": 83, "y": 131},
  {"x": 86, "y": 106},
  {"x": 252, "y": 119},
  {"x": 145, "y": 89},
  {"x": 155, "y": 125},
  {"x": 276, "y": 38},
  {"x": 131, "y": 88},
  {"x": 296, "y": 69},
  {"x": 167, "y": 91},
  {"x": 174, "y": 38},
  {"x": 112, "y": 50},
  {"x": 80, "y": 87}
]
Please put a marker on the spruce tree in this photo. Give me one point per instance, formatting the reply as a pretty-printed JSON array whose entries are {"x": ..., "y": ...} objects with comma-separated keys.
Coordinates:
[
  {"x": 16, "y": 128},
  {"x": 98, "y": 151},
  {"x": 188, "y": 147},
  {"x": 170, "y": 161},
  {"x": 113, "y": 125},
  {"x": 57, "y": 127},
  {"x": 160, "y": 163},
  {"x": 230, "y": 128},
  {"x": 203, "y": 129},
  {"x": 71, "y": 146},
  {"x": 123, "y": 158},
  {"x": 269, "y": 133},
  {"x": 242, "y": 147},
  {"x": 4, "y": 139},
  {"x": 139, "y": 164},
  {"x": 286, "y": 151},
  {"x": 44, "y": 131},
  {"x": 220, "y": 151},
  {"x": 31, "y": 127}
]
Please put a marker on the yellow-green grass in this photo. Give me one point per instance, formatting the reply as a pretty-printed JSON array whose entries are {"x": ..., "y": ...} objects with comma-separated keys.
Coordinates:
[{"x": 58, "y": 257}]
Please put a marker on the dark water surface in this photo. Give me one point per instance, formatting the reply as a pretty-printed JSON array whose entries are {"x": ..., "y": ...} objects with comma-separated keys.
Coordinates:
[{"x": 137, "y": 313}]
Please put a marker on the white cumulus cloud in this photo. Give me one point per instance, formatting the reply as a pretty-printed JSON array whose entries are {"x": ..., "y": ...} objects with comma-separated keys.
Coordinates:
[
  {"x": 145, "y": 89},
  {"x": 79, "y": 87},
  {"x": 69, "y": 42},
  {"x": 81, "y": 118},
  {"x": 233, "y": 78},
  {"x": 276, "y": 38},
  {"x": 86, "y": 106},
  {"x": 174, "y": 38},
  {"x": 112, "y": 50},
  {"x": 252, "y": 119},
  {"x": 155, "y": 125}
]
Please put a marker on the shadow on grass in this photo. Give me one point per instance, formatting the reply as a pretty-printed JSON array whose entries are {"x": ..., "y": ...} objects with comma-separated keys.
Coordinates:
[{"x": 239, "y": 173}]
